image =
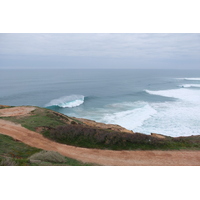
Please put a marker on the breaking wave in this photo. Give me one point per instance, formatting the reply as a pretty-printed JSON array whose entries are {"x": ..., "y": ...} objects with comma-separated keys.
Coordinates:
[
  {"x": 190, "y": 79},
  {"x": 130, "y": 119},
  {"x": 189, "y": 95},
  {"x": 180, "y": 117},
  {"x": 67, "y": 101},
  {"x": 190, "y": 85}
]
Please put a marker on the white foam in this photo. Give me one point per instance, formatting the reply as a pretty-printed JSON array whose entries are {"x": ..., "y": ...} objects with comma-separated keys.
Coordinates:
[
  {"x": 184, "y": 94},
  {"x": 168, "y": 118},
  {"x": 173, "y": 119},
  {"x": 130, "y": 119},
  {"x": 192, "y": 79},
  {"x": 67, "y": 101},
  {"x": 176, "y": 118},
  {"x": 189, "y": 85}
]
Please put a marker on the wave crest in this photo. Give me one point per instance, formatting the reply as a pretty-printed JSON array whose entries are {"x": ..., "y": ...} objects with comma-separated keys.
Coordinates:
[
  {"x": 189, "y": 85},
  {"x": 184, "y": 94},
  {"x": 67, "y": 101},
  {"x": 190, "y": 79}
]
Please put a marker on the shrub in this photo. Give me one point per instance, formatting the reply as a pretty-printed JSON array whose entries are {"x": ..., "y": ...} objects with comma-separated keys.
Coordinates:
[
  {"x": 47, "y": 156},
  {"x": 8, "y": 162},
  {"x": 92, "y": 137}
]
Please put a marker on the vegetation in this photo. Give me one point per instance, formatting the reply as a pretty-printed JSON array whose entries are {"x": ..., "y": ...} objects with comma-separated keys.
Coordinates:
[
  {"x": 39, "y": 117},
  {"x": 16, "y": 153},
  {"x": 48, "y": 156},
  {"x": 90, "y": 137},
  {"x": 66, "y": 130},
  {"x": 8, "y": 162},
  {"x": 2, "y": 106}
]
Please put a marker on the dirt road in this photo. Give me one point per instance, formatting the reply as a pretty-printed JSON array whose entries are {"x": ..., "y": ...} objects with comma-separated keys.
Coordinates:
[{"x": 102, "y": 157}]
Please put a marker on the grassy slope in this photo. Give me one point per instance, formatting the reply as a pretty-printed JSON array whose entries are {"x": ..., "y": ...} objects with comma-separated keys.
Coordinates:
[
  {"x": 78, "y": 135},
  {"x": 39, "y": 117},
  {"x": 19, "y": 153}
]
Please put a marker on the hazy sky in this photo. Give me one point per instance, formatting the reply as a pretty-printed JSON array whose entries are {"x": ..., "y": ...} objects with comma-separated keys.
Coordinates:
[{"x": 91, "y": 50}]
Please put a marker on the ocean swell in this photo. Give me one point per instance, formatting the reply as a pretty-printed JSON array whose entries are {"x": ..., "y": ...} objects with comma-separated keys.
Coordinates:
[{"x": 67, "y": 101}]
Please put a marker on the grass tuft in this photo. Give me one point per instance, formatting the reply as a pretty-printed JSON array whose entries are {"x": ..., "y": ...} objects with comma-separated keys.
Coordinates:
[
  {"x": 48, "y": 156},
  {"x": 8, "y": 162}
]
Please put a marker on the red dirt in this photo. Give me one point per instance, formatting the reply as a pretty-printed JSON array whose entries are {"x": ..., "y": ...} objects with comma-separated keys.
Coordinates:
[{"x": 102, "y": 157}]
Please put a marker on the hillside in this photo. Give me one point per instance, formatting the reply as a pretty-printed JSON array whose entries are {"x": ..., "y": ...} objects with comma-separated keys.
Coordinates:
[{"x": 86, "y": 141}]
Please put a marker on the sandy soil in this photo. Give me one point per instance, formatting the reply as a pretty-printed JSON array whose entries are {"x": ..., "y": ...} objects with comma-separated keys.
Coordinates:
[
  {"x": 102, "y": 157},
  {"x": 16, "y": 111}
]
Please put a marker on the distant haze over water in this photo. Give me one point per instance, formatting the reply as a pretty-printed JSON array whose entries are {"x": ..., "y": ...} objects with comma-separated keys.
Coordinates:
[{"x": 146, "y": 101}]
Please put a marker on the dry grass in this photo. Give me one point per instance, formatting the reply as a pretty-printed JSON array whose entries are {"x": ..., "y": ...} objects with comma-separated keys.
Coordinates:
[
  {"x": 8, "y": 162},
  {"x": 47, "y": 156}
]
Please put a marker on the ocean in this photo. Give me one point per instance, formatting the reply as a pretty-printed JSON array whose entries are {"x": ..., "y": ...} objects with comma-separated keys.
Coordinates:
[{"x": 147, "y": 101}]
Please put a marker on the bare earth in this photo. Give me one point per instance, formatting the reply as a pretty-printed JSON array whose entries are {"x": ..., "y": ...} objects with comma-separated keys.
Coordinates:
[
  {"x": 102, "y": 157},
  {"x": 16, "y": 111}
]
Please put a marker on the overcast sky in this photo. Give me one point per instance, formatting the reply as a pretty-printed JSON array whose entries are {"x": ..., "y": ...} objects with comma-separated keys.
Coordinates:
[{"x": 91, "y": 50}]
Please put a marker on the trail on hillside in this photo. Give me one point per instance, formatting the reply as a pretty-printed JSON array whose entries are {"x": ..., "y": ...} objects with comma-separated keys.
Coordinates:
[
  {"x": 102, "y": 157},
  {"x": 16, "y": 111}
]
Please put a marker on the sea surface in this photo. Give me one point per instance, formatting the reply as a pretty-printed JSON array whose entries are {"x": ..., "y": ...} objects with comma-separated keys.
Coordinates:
[{"x": 147, "y": 101}]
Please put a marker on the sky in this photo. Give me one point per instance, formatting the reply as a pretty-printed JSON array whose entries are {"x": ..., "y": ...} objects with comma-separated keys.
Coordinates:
[{"x": 104, "y": 50}]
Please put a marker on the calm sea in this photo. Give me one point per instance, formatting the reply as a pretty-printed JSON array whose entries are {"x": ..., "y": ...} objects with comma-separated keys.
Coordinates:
[{"x": 146, "y": 101}]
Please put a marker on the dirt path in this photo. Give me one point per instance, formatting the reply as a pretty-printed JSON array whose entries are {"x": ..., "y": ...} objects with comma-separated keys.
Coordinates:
[
  {"x": 16, "y": 111},
  {"x": 102, "y": 157}
]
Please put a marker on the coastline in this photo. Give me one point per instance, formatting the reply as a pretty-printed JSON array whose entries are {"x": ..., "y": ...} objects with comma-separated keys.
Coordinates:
[{"x": 108, "y": 157}]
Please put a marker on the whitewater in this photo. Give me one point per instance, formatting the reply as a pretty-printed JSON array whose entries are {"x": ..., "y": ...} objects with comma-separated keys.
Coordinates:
[
  {"x": 147, "y": 101},
  {"x": 67, "y": 101}
]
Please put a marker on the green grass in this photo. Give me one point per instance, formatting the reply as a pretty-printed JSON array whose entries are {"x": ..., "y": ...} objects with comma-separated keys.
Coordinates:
[
  {"x": 11, "y": 148},
  {"x": 19, "y": 153},
  {"x": 2, "y": 107},
  {"x": 42, "y": 117},
  {"x": 39, "y": 117},
  {"x": 77, "y": 134}
]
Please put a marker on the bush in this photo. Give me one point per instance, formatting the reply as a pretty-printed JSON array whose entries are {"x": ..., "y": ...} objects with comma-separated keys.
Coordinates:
[
  {"x": 8, "y": 162},
  {"x": 47, "y": 156},
  {"x": 92, "y": 137}
]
